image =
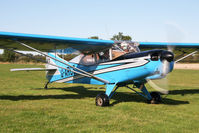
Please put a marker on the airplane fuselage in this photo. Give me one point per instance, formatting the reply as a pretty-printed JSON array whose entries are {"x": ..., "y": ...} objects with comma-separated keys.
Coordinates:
[{"x": 129, "y": 68}]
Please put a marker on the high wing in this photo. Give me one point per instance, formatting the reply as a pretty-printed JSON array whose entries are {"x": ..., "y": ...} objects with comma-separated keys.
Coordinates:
[
  {"x": 186, "y": 49},
  {"x": 166, "y": 44},
  {"x": 47, "y": 43}
]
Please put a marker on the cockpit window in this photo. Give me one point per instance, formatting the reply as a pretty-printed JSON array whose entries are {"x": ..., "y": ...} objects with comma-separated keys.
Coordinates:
[
  {"x": 123, "y": 48},
  {"x": 92, "y": 59},
  {"x": 106, "y": 55}
]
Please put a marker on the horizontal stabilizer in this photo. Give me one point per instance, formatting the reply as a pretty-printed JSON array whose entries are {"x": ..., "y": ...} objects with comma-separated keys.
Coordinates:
[{"x": 32, "y": 69}]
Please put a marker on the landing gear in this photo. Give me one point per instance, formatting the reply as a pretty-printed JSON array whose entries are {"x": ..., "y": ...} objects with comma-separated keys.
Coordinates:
[
  {"x": 156, "y": 98},
  {"x": 46, "y": 85},
  {"x": 153, "y": 97},
  {"x": 102, "y": 100}
]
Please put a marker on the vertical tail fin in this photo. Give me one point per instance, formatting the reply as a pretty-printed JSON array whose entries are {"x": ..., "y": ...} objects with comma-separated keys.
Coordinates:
[
  {"x": 51, "y": 61},
  {"x": 57, "y": 74}
]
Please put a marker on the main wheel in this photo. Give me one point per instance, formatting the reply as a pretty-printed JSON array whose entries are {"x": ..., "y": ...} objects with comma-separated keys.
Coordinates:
[
  {"x": 102, "y": 100},
  {"x": 156, "y": 98}
]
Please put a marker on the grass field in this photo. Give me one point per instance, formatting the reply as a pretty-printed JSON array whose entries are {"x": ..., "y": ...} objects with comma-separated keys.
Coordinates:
[{"x": 26, "y": 107}]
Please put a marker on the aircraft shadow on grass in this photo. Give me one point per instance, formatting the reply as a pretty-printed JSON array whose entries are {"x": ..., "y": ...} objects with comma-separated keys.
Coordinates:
[{"x": 83, "y": 92}]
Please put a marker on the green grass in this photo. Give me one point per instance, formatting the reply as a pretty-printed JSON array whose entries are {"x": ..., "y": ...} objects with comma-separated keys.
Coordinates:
[{"x": 26, "y": 107}]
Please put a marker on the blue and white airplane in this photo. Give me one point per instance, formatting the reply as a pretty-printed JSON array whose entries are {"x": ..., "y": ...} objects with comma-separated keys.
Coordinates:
[{"x": 100, "y": 62}]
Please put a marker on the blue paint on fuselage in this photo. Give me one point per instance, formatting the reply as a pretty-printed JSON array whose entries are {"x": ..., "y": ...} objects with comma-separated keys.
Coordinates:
[{"x": 123, "y": 75}]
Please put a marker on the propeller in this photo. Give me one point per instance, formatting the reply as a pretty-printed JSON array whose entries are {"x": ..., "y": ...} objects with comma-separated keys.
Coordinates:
[{"x": 174, "y": 34}]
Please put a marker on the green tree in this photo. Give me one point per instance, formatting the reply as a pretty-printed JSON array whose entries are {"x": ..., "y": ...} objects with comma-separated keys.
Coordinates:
[
  {"x": 8, "y": 56},
  {"x": 94, "y": 37},
  {"x": 121, "y": 37}
]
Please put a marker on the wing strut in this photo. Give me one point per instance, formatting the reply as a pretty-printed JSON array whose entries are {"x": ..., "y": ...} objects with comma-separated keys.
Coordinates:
[
  {"x": 186, "y": 56},
  {"x": 84, "y": 73}
]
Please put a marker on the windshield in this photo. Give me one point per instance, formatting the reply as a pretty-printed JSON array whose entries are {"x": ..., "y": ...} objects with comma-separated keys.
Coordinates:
[{"x": 123, "y": 48}]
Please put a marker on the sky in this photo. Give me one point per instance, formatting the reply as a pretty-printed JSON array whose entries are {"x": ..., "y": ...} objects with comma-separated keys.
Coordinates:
[{"x": 143, "y": 20}]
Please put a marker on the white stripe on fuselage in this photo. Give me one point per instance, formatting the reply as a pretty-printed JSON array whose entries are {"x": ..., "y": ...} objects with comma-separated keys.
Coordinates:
[
  {"x": 125, "y": 60},
  {"x": 136, "y": 62}
]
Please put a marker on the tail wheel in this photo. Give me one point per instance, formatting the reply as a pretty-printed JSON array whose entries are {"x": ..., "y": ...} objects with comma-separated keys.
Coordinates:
[
  {"x": 156, "y": 98},
  {"x": 102, "y": 100}
]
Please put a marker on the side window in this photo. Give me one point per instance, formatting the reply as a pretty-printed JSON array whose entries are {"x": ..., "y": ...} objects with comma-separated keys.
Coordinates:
[
  {"x": 88, "y": 60},
  {"x": 95, "y": 58},
  {"x": 103, "y": 56}
]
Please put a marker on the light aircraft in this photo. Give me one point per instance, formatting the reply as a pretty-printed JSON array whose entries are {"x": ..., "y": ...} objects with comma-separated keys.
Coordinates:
[{"x": 101, "y": 62}]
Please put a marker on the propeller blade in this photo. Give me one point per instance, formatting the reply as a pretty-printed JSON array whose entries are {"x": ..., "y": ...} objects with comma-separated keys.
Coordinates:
[
  {"x": 158, "y": 88},
  {"x": 165, "y": 67},
  {"x": 170, "y": 48},
  {"x": 174, "y": 34},
  {"x": 163, "y": 82}
]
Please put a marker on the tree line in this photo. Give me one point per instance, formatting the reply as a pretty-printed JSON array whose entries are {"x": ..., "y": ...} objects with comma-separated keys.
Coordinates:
[{"x": 9, "y": 56}]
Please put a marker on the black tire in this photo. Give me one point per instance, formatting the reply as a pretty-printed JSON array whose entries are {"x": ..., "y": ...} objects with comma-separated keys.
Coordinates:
[
  {"x": 156, "y": 98},
  {"x": 102, "y": 100}
]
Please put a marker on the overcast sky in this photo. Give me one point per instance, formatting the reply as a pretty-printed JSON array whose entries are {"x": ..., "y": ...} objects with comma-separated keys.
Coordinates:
[{"x": 143, "y": 20}]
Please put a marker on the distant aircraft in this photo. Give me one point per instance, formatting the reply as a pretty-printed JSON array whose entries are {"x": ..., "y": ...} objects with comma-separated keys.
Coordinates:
[{"x": 101, "y": 62}]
